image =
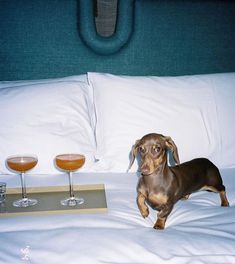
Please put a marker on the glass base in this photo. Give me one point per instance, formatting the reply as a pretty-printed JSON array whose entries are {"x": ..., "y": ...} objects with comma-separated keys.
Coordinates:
[
  {"x": 72, "y": 201},
  {"x": 25, "y": 202}
]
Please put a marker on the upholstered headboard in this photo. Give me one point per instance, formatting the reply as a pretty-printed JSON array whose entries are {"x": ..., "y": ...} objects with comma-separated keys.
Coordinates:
[{"x": 55, "y": 38}]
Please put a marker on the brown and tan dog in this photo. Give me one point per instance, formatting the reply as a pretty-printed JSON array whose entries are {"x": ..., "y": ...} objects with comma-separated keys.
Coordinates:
[{"x": 161, "y": 186}]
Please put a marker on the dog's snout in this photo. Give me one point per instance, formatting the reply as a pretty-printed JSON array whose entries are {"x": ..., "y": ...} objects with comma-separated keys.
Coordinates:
[
  {"x": 147, "y": 162},
  {"x": 145, "y": 169},
  {"x": 147, "y": 165}
]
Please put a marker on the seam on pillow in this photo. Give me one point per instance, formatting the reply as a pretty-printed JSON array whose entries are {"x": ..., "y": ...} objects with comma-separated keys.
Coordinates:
[{"x": 94, "y": 119}]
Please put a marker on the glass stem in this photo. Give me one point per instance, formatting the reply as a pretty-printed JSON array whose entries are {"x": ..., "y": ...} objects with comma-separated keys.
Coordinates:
[
  {"x": 71, "y": 184},
  {"x": 24, "y": 195}
]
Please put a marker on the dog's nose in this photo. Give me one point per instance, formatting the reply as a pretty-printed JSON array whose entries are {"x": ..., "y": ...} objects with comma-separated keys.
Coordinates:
[{"x": 145, "y": 170}]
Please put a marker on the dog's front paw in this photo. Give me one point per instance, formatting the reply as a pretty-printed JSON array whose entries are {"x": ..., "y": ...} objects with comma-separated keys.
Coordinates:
[
  {"x": 144, "y": 211},
  {"x": 160, "y": 224}
]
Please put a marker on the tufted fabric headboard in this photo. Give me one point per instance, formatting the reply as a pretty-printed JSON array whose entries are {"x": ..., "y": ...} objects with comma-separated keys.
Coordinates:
[{"x": 56, "y": 38}]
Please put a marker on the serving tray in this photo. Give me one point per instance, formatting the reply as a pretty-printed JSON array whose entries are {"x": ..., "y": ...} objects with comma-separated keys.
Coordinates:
[{"x": 49, "y": 200}]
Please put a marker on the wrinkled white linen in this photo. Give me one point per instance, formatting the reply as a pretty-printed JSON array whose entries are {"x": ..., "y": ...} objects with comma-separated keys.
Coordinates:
[{"x": 197, "y": 231}]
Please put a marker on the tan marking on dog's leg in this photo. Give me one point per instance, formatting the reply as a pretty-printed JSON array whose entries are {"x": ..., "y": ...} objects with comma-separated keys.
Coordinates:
[
  {"x": 209, "y": 188},
  {"x": 223, "y": 197},
  {"x": 142, "y": 206},
  {"x": 185, "y": 197}
]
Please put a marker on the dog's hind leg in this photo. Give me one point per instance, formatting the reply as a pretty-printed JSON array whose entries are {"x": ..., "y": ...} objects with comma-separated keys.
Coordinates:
[
  {"x": 221, "y": 191},
  {"x": 223, "y": 198}
]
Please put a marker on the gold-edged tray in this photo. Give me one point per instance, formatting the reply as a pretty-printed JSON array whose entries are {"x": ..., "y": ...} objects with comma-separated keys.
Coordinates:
[{"x": 49, "y": 200}]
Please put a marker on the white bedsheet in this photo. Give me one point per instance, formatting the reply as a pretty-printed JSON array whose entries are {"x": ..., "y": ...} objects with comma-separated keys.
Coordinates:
[{"x": 197, "y": 231}]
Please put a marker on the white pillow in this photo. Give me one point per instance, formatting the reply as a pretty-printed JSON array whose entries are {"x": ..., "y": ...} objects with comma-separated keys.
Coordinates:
[
  {"x": 181, "y": 107},
  {"x": 224, "y": 90},
  {"x": 46, "y": 119},
  {"x": 80, "y": 78}
]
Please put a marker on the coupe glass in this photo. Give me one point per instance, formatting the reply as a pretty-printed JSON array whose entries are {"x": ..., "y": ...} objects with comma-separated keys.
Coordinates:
[
  {"x": 70, "y": 163},
  {"x": 20, "y": 164}
]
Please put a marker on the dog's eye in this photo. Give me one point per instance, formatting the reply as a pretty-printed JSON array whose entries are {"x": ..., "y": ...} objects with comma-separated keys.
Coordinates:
[
  {"x": 156, "y": 149},
  {"x": 141, "y": 149}
]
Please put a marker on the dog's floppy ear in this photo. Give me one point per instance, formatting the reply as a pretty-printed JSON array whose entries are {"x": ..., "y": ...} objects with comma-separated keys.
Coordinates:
[
  {"x": 171, "y": 145},
  {"x": 133, "y": 154}
]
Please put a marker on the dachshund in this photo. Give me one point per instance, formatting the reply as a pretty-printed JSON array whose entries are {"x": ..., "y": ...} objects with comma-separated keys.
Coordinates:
[{"x": 161, "y": 186}]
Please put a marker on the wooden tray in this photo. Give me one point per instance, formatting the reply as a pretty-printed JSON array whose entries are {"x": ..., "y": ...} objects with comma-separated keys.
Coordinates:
[{"x": 49, "y": 200}]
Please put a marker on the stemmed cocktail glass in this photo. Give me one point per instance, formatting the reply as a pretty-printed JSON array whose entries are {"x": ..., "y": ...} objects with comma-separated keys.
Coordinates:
[
  {"x": 21, "y": 164},
  {"x": 70, "y": 163}
]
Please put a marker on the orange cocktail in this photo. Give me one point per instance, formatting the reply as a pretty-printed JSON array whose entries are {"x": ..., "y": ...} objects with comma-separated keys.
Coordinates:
[
  {"x": 70, "y": 163},
  {"x": 21, "y": 164}
]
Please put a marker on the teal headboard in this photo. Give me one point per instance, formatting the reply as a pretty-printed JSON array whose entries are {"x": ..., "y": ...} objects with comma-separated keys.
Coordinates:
[{"x": 55, "y": 38}]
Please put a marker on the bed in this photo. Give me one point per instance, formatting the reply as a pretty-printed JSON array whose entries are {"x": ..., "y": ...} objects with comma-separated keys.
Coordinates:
[{"x": 169, "y": 68}]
